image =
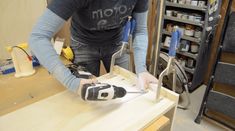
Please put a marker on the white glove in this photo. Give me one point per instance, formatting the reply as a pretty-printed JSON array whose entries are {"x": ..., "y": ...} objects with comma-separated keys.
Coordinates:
[{"x": 145, "y": 79}]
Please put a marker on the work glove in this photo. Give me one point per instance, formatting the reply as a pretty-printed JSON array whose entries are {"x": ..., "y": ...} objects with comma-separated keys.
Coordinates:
[
  {"x": 85, "y": 81},
  {"x": 145, "y": 79}
]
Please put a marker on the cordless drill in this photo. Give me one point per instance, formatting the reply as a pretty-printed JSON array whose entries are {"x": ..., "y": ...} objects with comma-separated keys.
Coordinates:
[{"x": 101, "y": 92}]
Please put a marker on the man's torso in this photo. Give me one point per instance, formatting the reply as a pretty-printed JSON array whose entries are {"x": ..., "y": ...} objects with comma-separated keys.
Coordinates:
[{"x": 99, "y": 22}]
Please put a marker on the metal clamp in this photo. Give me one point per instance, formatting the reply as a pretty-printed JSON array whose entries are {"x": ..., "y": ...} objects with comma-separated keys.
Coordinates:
[
  {"x": 169, "y": 69},
  {"x": 116, "y": 55}
]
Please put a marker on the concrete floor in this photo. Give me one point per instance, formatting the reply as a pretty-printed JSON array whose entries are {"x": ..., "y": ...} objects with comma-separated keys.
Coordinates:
[{"x": 185, "y": 118}]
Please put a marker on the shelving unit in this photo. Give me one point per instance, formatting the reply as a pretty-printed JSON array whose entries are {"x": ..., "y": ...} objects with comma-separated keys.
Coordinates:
[
  {"x": 183, "y": 21},
  {"x": 194, "y": 56},
  {"x": 204, "y": 9},
  {"x": 200, "y": 59},
  {"x": 193, "y": 39}
]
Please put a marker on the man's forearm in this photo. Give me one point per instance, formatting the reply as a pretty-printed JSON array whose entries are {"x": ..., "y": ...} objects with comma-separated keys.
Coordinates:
[
  {"x": 140, "y": 43},
  {"x": 48, "y": 24}
]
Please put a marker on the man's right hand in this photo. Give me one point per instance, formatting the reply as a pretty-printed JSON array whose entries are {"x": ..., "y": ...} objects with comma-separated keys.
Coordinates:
[{"x": 85, "y": 81}]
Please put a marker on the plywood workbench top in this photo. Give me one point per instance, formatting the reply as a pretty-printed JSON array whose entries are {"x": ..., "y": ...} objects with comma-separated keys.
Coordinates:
[
  {"x": 16, "y": 93},
  {"x": 66, "y": 111}
]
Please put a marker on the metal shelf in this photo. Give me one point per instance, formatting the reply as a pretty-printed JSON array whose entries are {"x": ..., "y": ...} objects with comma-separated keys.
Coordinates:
[
  {"x": 194, "y": 56},
  {"x": 189, "y": 69},
  {"x": 189, "y": 54},
  {"x": 193, "y": 39},
  {"x": 184, "y": 6},
  {"x": 182, "y": 20}
]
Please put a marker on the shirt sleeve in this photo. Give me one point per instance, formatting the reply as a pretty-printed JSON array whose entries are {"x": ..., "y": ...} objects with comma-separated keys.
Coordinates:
[
  {"x": 66, "y": 8},
  {"x": 141, "y": 6},
  {"x": 48, "y": 24},
  {"x": 140, "y": 41}
]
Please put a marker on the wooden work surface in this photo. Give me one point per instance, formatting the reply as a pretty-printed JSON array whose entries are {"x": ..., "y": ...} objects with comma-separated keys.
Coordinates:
[
  {"x": 66, "y": 111},
  {"x": 16, "y": 93}
]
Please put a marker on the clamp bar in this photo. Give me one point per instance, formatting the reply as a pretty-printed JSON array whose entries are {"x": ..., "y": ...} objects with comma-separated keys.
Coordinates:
[{"x": 127, "y": 33}]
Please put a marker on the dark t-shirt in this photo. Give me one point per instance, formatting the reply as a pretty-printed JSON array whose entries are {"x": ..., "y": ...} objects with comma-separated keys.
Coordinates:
[{"x": 97, "y": 22}]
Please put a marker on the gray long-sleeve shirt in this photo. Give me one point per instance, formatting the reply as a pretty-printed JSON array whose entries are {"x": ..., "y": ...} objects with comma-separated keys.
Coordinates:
[{"x": 49, "y": 23}]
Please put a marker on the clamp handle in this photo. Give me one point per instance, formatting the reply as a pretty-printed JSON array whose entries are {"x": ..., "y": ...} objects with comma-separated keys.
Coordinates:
[
  {"x": 175, "y": 40},
  {"x": 128, "y": 29}
]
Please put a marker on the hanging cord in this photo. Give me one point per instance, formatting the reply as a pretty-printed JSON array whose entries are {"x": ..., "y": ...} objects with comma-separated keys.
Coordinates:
[{"x": 28, "y": 56}]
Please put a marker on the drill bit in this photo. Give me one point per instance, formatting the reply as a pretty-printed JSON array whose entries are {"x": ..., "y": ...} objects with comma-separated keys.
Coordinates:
[{"x": 137, "y": 92}]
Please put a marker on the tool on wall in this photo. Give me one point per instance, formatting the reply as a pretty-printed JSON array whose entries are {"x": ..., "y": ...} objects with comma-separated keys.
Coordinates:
[{"x": 22, "y": 60}]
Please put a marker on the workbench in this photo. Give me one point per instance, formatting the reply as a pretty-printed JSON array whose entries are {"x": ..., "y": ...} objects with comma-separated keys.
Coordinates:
[{"x": 50, "y": 107}]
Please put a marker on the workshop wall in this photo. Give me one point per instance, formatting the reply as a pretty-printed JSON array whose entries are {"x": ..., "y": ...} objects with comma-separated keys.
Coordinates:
[
  {"x": 17, "y": 20},
  {"x": 64, "y": 32}
]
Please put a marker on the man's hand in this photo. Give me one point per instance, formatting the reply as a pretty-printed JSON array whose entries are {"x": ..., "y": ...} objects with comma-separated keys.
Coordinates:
[
  {"x": 85, "y": 81},
  {"x": 144, "y": 79}
]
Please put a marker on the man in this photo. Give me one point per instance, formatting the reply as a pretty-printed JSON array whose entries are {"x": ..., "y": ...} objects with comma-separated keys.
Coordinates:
[{"x": 96, "y": 32}]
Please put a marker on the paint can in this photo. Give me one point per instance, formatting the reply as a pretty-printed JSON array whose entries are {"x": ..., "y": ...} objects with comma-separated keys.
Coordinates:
[
  {"x": 201, "y": 3},
  {"x": 184, "y": 46},
  {"x": 179, "y": 15},
  {"x": 174, "y": 13},
  {"x": 191, "y": 17},
  {"x": 189, "y": 30},
  {"x": 184, "y": 16},
  {"x": 190, "y": 63},
  {"x": 188, "y": 2},
  {"x": 194, "y": 47},
  {"x": 194, "y": 2},
  {"x": 169, "y": 12},
  {"x": 167, "y": 41},
  {"x": 169, "y": 27},
  {"x": 175, "y": 1},
  {"x": 197, "y": 33},
  {"x": 182, "y": 1},
  {"x": 198, "y": 18}
]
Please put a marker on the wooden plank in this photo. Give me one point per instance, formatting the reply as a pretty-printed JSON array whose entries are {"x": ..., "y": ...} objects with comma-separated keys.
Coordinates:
[
  {"x": 151, "y": 29},
  {"x": 66, "y": 111},
  {"x": 158, "y": 124},
  {"x": 16, "y": 93}
]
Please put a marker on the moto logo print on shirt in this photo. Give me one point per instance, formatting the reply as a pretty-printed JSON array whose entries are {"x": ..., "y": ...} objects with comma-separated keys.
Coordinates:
[
  {"x": 96, "y": 22},
  {"x": 111, "y": 16}
]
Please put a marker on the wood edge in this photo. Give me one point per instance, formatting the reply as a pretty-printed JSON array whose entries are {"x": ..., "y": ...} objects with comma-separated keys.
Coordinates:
[{"x": 158, "y": 124}]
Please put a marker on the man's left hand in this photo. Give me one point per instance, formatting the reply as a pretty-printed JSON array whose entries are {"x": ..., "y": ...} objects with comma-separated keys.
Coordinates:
[{"x": 144, "y": 79}]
